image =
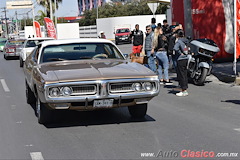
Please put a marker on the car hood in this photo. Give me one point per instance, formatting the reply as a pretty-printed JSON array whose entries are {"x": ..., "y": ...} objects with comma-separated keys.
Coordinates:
[{"x": 92, "y": 70}]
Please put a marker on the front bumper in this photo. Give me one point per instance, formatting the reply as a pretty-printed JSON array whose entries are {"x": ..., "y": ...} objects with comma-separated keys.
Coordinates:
[
  {"x": 13, "y": 54},
  {"x": 122, "y": 39},
  {"x": 85, "y": 102}
]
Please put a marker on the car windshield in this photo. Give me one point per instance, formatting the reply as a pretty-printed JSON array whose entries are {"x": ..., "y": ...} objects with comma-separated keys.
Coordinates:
[
  {"x": 33, "y": 43},
  {"x": 80, "y": 51},
  {"x": 122, "y": 30}
]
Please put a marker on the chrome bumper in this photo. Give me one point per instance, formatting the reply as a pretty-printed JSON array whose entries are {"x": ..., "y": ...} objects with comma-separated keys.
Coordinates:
[{"x": 120, "y": 99}]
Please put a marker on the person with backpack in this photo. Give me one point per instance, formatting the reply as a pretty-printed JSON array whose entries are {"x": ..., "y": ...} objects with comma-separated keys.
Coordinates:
[
  {"x": 148, "y": 47},
  {"x": 181, "y": 50}
]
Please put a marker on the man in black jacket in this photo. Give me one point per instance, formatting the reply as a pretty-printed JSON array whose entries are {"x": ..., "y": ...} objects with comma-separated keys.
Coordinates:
[{"x": 137, "y": 36}]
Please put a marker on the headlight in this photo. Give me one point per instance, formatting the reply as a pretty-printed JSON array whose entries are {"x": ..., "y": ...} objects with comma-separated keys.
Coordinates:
[
  {"x": 54, "y": 92},
  {"x": 66, "y": 91},
  {"x": 148, "y": 86},
  {"x": 137, "y": 87}
]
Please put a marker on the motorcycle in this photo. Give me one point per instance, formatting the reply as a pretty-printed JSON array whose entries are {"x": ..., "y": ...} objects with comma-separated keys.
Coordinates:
[{"x": 200, "y": 61}]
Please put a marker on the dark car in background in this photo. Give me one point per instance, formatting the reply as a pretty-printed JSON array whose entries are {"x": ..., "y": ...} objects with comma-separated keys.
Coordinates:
[
  {"x": 123, "y": 35},
  {"x": 11, "y": 46},
  {"x": 2, "y": 43}
]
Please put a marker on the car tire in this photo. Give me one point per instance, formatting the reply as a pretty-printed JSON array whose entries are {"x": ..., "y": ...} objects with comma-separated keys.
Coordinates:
[
  {"x": 138, "y": 111},
  {"x": 5, "y": 57},
  {"x": 44, "y": 114},
  {"x": 21, "y": 62},
  {"x": 31, "y": 99},
  {"x": 117, "y": 43}
]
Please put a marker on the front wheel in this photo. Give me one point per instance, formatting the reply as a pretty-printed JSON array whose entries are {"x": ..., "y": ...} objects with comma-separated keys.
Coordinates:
[
  {"x": 138, "y": 111},
  {"x": 200, "y": 76},
  {"x": 31, "y": 99},
  {"x": 44, "y": 114},
  {"x": 20, "y": 62}
]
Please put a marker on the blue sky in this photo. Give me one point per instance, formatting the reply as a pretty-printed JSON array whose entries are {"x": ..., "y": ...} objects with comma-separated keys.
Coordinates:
[{"x": 66, "y": 9}]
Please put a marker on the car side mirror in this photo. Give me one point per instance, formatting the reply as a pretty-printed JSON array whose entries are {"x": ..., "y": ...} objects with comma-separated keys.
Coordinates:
[{"x": 126, "y": 55}]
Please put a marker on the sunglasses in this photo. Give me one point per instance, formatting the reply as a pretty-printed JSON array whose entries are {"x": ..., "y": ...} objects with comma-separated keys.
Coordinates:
[{"x": 148, "y": 29}]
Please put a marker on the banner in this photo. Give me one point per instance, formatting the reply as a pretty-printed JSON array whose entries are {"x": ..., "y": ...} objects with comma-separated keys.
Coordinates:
[
  {"x": 37, "y": 29},
  {"x": 50, "y": 28}
]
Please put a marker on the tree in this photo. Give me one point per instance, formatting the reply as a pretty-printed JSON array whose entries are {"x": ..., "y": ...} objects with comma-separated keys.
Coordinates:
[
  {"x": 119, "y": 9},
  {"x": 46, "y": 5}
]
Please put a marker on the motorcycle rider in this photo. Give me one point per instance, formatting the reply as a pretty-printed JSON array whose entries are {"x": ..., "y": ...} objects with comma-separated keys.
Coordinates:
[{"x": 181, "y": 50}]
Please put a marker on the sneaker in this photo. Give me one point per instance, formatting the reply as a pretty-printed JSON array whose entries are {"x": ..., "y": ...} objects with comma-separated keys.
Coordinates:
[
  {"x": 167, "y": 83},
  {"x": 182, "y": 94}
]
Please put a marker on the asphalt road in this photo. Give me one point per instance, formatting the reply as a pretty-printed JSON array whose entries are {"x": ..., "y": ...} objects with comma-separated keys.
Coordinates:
[{"x": 207, "y": 120}]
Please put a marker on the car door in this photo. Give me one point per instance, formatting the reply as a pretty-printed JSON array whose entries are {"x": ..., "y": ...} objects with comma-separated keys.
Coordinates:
[{"x": 30, "y": 64}]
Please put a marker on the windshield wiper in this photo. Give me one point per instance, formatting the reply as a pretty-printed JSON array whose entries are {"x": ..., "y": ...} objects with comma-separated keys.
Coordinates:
[{"x": 56, "y": 59}]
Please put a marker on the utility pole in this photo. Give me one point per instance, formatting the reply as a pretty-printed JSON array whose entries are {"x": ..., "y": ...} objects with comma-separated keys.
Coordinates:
[
  {"x": 16, "y": 22},
  {"x": 51, "y": 10},
  {"x": 6, "y": 23}
]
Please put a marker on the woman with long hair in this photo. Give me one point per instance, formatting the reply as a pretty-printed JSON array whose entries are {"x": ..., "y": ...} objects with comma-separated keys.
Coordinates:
[{"x": 159, "y": 46}]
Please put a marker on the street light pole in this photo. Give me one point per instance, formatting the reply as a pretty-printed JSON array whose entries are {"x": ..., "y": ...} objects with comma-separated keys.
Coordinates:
[{"x": 51, "y": 11}]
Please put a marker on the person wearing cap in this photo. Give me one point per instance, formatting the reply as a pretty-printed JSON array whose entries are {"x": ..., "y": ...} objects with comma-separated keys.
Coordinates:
[
  {"x": 137, "y": 36},
  {"x": 181, "y": 50},
  {"x": 102, "y": 35}
]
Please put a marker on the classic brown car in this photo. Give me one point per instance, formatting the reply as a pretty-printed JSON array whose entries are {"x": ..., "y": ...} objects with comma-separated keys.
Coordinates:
[{"x": 86, "y": 74}]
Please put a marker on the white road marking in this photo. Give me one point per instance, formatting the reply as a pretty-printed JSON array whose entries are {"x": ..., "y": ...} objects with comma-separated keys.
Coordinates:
[
  {"x": 4, "y": 84},
  {"x": 36, "y": 156},
  {"x": 29, "y": 145},
  {"x": 237, "y": 129}
]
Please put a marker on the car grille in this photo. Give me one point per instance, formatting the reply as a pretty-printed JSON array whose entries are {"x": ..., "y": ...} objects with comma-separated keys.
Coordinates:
[
  {"x": 84, "y": 90},
  {"x": 121, "y": 88}
]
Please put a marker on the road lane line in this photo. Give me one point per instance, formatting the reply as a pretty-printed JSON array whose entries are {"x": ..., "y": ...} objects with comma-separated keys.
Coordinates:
[
  {"x": 4, "y": 84},
  {"x": 36, "y": 156},
  {"x": 237, "y": 129}
]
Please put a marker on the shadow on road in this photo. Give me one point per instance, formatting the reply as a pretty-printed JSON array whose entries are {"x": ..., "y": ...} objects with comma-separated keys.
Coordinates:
[
  {"x": 232, "y": 101},
  {"x": 67, "y": 118}
]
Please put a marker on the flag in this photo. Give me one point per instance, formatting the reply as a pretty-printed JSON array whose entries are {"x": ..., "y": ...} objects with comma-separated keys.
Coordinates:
[
  {"x": 37, "y": 29},
  {"x": 51, "y": 30}
]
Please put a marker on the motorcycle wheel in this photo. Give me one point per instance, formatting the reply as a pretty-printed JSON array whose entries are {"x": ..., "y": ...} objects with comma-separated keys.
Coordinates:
[{"x": 199, "y": 80}]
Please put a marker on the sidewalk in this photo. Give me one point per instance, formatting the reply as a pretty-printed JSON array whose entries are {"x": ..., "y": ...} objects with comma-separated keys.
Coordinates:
[{"x": 224, "y": 71}]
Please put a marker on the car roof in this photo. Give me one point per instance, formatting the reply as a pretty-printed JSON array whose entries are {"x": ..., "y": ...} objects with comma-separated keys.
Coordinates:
[{"x": 78, "y": 40}]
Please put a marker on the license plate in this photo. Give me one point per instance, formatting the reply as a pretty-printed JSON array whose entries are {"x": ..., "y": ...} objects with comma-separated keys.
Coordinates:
[{"x": 103, "y": 103}]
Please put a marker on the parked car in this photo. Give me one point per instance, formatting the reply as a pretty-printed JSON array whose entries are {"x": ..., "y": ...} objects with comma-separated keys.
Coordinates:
[
  {"x": 123, "y": 35},
  {"x": 85, "y": 75},
  {"x": 11, "y": 46},
  {"x": 2, "y": 43},
  {"x": 27, "y": 48}
]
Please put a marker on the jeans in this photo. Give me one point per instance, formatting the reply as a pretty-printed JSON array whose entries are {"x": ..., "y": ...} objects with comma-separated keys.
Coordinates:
[
  {"x": 151, "y": 61},
  {"x": 174, "y": 60},
  {"x": 163, "y": 64}
]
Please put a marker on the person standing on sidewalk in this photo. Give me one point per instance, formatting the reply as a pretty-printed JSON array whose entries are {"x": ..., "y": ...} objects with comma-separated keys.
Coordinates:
[
  {"x": 159, "y": 46},
  {"x": 137, "y": 36},
  {"x": 181, "y": 49},
  {"x": 148, "y": 48}
]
